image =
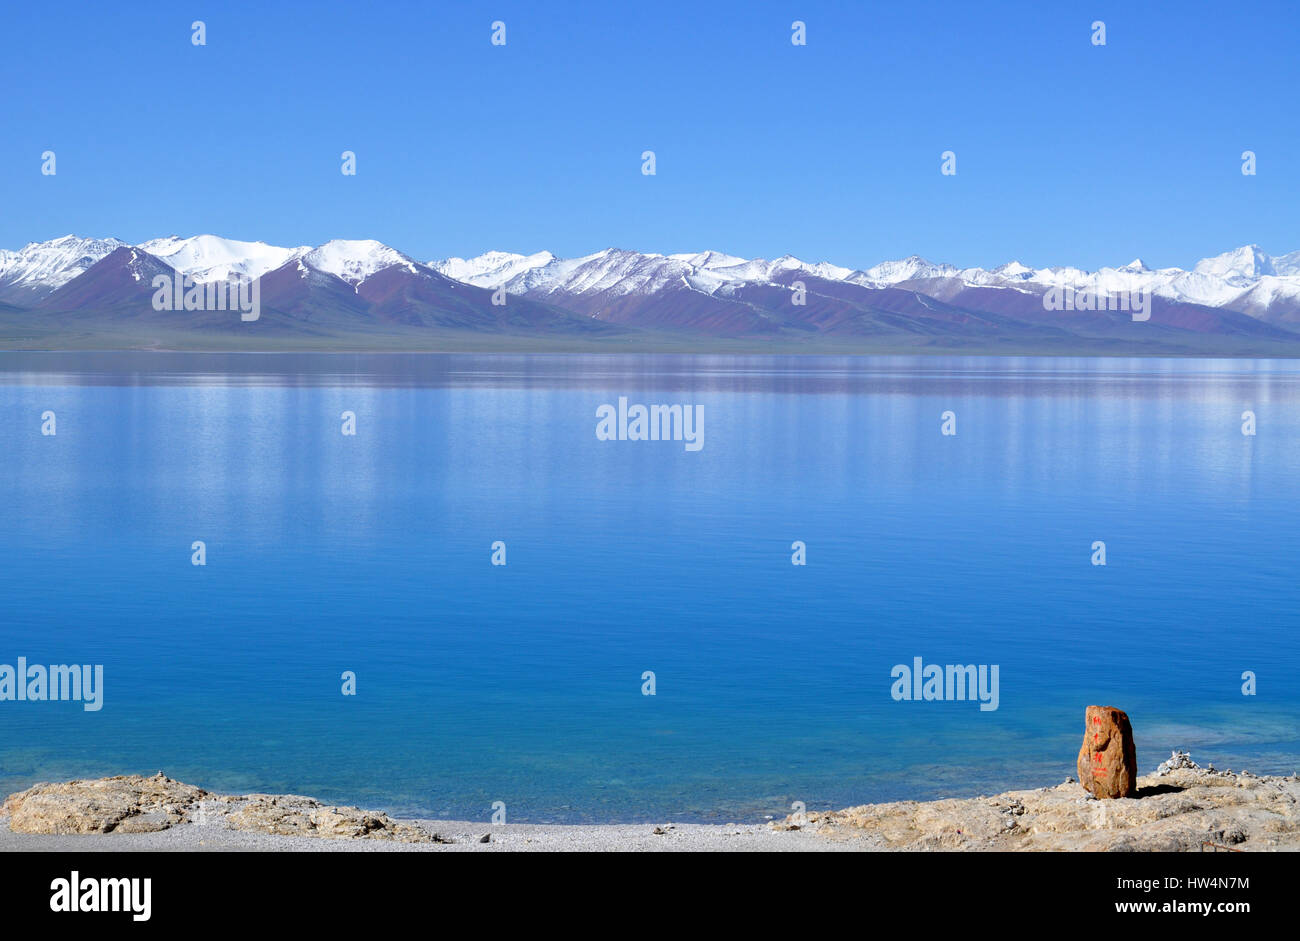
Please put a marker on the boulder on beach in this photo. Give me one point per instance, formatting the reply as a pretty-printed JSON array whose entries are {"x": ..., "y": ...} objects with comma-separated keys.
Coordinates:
[
  {"x": 122, "y": 804},
  {"x": 293, "y": 815},
  {"x": 1107, "y": 762}
]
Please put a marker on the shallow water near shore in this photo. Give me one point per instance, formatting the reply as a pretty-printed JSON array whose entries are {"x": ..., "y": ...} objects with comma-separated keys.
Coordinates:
[{"x": 523, "y": 683}]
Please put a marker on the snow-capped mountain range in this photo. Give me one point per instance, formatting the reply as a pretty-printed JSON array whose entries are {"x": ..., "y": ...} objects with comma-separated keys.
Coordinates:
[
  {"x": 1223, "y": 280},
  {"x": 1215, "y": 282},
  {"x": 39, "y": 268},
  {"x": 1245, "y": 292}
]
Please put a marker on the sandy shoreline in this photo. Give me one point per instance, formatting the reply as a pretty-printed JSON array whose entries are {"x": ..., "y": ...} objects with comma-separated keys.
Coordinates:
[
  {"x": 1183, "y": 809},
  {"x": 514, "y": 837}
]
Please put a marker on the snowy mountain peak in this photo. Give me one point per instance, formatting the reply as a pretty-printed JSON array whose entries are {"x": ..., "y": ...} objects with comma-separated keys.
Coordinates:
[
  {"x": 355, "y": 260},
  {"x": 1245, "y": 263},
  {"x": 39, "y": 268},
  {"x": 708, "y": 259},
  {"x": 211, "y": 258},
  {"x": 910, "y": 268},
  {"x": 491, "y": 268}
]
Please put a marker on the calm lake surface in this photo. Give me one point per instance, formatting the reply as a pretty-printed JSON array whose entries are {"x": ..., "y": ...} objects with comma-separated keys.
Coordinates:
[{"x": 522, "y": 683}]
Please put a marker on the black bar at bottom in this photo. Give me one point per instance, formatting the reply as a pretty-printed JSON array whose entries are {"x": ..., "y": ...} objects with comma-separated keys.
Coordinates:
[{"x": 331, "y": 891}]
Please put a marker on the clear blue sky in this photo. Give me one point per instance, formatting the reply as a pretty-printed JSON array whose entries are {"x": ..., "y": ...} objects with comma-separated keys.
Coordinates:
[{"x": 1066, "y": 152}]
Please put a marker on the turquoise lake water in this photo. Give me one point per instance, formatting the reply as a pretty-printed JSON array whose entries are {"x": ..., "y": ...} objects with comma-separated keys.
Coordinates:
[{"x": 522, "y": 683}]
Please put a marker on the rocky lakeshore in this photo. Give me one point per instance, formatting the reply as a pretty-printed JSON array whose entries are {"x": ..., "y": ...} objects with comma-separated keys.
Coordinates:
[
  {"x": 158, "y": 813},
  {"x": 1180, "y": 808}
]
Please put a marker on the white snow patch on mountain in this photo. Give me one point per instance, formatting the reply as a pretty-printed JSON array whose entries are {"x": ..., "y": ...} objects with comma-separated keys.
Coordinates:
[
  {"x": 355, "y": 260},
  {"x": 40, "y": 268},
  {"x": 492, "y": 268},
  {"x": 1247, "y": 263},
  {"x": 211, "y": 258},
  {"x": 616, "y": 272}
]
